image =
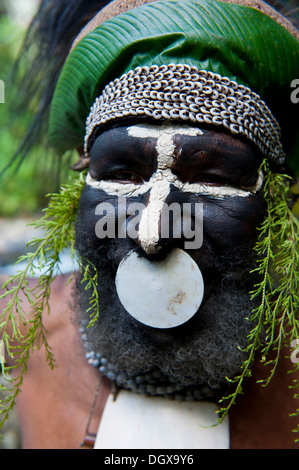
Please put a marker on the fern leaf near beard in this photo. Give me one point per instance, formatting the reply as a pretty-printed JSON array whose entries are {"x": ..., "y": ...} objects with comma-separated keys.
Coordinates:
[
  {"x": 277, "y": 313},
  {"x": 58, "y": 225},
  {"x": 278, "y": 265}
]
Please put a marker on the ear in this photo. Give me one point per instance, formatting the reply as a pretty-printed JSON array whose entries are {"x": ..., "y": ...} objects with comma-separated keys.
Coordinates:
[{"x": 83, "y": 161}]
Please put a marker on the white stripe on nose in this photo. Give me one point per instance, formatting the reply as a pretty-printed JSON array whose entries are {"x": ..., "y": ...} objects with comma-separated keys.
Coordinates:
[
  {"x": 158, "y": 185},
  {"x": 149, "y": 231}
]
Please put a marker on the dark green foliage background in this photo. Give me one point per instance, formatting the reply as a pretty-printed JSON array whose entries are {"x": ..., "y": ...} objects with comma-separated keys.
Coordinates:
[{"x": 22, "y": 190}]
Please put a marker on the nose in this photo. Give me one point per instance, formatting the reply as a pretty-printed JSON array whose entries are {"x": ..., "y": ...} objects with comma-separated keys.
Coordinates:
[
  {"x": 149, "y": 231},
  {"x": 168, "y": 220}
]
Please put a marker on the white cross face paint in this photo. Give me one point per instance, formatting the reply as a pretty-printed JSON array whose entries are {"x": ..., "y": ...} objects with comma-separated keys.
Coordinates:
[
  {"x": 161, "y": 180},
  {"x": 159, "y": 183},
  {"x": 167, "y": 293}
]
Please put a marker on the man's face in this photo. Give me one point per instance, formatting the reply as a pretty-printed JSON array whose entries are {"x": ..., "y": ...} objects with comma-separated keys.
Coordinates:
[{"x": 154, "y": 165}]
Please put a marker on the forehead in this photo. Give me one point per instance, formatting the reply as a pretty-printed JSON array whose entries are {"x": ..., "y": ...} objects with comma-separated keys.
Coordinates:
[{"x": 167, "y": 130}]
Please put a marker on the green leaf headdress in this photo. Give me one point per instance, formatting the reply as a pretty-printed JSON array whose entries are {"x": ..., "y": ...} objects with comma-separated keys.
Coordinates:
[{"x": 225, "y": 64}]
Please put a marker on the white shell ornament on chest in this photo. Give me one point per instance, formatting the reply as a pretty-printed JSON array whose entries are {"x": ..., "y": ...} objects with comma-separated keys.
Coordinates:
[{"x": 160, "y": 294}]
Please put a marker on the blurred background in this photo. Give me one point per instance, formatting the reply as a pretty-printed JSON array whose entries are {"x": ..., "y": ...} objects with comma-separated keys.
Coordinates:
[
  {"x": 21, "y": 193},
  {"x": 23, "y": 187}
]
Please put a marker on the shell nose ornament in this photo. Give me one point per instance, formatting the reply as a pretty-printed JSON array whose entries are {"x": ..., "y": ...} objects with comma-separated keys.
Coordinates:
[{"x": 160, "y": 294}]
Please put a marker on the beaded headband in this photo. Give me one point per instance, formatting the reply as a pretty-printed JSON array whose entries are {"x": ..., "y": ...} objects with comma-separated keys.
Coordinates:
[{"x": 183, "y": 92}]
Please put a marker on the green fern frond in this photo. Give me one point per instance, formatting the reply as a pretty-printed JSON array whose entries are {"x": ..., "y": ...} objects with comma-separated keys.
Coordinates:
[
  {"x": 277, "y": 317},
  {"x": 22, "y": 331}
]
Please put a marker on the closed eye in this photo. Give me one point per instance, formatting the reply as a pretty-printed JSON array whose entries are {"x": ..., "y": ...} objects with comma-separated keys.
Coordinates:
[
  {"x": 211, "y": 180},
  {"x": 123, "y": 177}
]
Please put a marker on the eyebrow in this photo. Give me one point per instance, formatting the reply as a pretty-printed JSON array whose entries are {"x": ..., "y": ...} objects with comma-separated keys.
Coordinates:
[
  {"x": 132, "y": 190},
  {"x": 165, "y": 147},
  {"x": 216, "y": 148}
]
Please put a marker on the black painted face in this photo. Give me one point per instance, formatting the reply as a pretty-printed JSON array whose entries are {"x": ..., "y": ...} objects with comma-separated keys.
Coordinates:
[
  {"x": 211, "y": 168},
  {"x": 149, "y": 164}
]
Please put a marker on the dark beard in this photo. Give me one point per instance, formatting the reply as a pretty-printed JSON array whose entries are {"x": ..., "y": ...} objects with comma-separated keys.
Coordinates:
[{"x": 191, "y": 361}]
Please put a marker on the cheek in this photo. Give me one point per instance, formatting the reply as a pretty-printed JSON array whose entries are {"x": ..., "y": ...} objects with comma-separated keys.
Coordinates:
[
  {"x": 87, "y": 212},
  {"x": 226, "y": 224},
  {"x": 233, "y": 222},
  {"x": 101, "y": 216},
  {"x": 105, "y": 253}
]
